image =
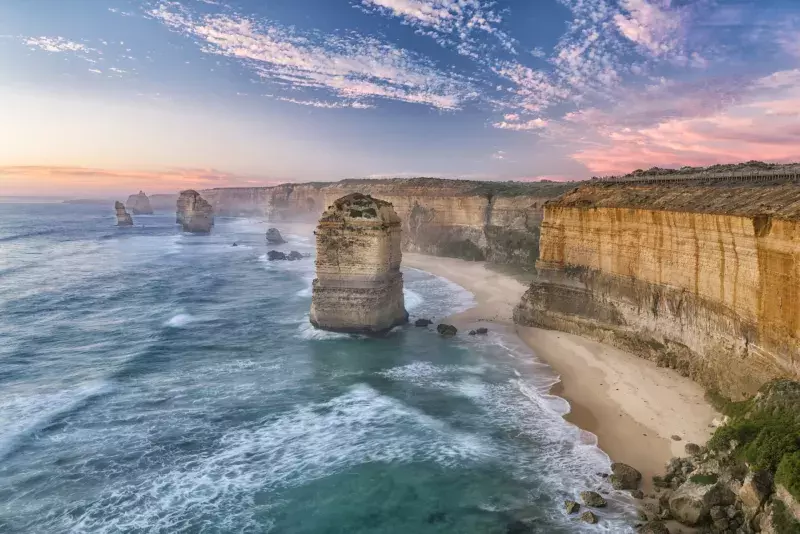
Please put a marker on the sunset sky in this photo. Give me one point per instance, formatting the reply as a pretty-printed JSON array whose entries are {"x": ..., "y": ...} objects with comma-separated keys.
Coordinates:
[{"x": 108, "y": 97}]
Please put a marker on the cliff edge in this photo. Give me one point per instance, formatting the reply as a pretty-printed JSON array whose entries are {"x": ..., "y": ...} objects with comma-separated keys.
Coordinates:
[
  {"x": 359, "y": 286},
  {"x": 704, "y": 279}
]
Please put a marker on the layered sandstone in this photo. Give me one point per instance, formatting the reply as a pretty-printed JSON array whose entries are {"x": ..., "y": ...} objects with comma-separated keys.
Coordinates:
[
  {"x": 193, "y": 213},
  {"x": 359, "y": 286},
  {"x": 139, "y": 204},
  {"x": 701, "y": 278},
  {"x": 123, "y": 217},
  {"x": 494, "y": 221}
]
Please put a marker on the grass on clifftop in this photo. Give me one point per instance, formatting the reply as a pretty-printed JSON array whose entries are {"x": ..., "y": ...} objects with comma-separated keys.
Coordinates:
[{"x": 766, "y": 430}]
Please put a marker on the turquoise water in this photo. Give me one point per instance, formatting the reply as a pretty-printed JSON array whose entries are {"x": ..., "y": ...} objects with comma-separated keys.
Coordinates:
[{"x": 152, "y": 381}]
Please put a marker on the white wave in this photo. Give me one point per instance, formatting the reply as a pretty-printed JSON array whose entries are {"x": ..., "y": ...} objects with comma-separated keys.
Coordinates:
[
  {"x": 180, "y": 320},
  {"x": 307, "y": 291},
  {"x": 306, "y": 330},
  {"x": 24, "y": 413},
  {"x": 310, "y": 442},
  {"x": 412, "y": 299}
]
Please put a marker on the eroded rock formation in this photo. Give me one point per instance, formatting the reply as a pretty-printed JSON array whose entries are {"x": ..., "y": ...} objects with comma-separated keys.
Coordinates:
[
  {"x": 193, "y": 213},
  {"x": 123, "y": 217},
  {"x": 495, "y": 221},
  {"x": 274, "y": 237},
  {"x": 359, "y": 286},
  {"x": 139, "y": 204},
  {"x": 701, "y": 278}
]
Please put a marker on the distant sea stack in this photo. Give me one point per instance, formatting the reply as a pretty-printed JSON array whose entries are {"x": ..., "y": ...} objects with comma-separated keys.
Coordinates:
[
  {"x": 139, "y": 204},
  {"x": 123, "y": 217},
  {"x": 274, "y": 237},
  {"x": 194, "y": 214},
  {"x": 359, "y": 286}
]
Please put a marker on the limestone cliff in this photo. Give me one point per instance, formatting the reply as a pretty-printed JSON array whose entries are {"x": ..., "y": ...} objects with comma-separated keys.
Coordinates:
[
  {"x": 193, "y": 213},
  {"x": 162, "y": 202},
  {"x": 139, "y": 204},
  {"x": 123, "y": 217},
  {"x": 701, "y": 278},
  {"x": 359, "y": 286},
  {"x": 495, "y": 221}
]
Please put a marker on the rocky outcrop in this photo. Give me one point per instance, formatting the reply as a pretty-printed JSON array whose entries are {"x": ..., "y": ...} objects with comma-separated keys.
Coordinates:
[
  {"x": 139, "y": 204},
  {"x": 274, "y": 237},
  {"x": 123, "y": 217},
  {"x": 495, "y": 221},
  {"x": 446, "y": 330},
  {"x": 194, "y": 214},
  {"x": 359, "y": 286},
  {"x": 704, "y": 279},
  {"x": 274, "y": 255}
]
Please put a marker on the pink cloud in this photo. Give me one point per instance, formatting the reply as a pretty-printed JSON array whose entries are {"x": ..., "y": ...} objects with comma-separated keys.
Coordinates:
[{"x": 39, "y": 180}]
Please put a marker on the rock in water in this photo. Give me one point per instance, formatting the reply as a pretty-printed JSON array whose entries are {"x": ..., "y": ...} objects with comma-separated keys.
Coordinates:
[
  {"x": 294, "y": 255},
  {"x": 572, "y": 507},
  {"x": 593, "y": 499},
  {"x": 139, "y": 204},
  {"x": 274, "y": 237},
  {"x": 625, "y": 477},
  {"x": 422, "y": 322},
  {"x": 359, "y": 286},
  {"x": 194, "y": 214},
  {"x": 589, "y": 517},
  {"x": 273, "y": 255},
  {"x": 123, "y": 217},
  {"x": 447, "y": 330}
]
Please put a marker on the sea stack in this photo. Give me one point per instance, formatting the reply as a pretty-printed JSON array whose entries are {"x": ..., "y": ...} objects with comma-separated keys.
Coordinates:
[
  {"x": 123, "y": 217},
  {"x": 359, "y": 286},
  {"x": 139, "y": 204},
  {"x": 194, "y": 214}
]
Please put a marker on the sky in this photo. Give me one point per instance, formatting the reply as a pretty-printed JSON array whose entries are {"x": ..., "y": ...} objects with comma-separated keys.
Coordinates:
[{"x": 108, "y": 97}]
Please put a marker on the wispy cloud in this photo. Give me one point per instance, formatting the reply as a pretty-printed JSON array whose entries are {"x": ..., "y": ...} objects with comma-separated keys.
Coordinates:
[
  {"x": 533, "y": 124},
  {"x": 328, "y": 105},
  {"x": 460, "y": 23},
  {"x": 56, "y": 44},
  {"x": 351, "y": 67}
]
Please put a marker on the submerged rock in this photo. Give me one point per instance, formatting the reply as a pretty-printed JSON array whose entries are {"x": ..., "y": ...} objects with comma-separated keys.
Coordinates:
[
  {"x": 294, "y": 255},
  {"x": 359, "y": 286},
  {"x": 624, "y": 477},
  {"x": 423, "y": 322},
  {"x": 123, "y": 217},
  {"x": 482, "y": 331},
  {"x": 274, "y": 237},
  {"x": 193, "y": 213},
  {"x": 139, "y": 204},
  {"x": 447, "y": 330},
  {"x": 593, "y": 499},
  {"x": 274, "y": 255}
]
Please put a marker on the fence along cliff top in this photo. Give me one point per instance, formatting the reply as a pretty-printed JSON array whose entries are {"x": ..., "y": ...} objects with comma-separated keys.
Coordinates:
[{"x": 782, "y": 175}]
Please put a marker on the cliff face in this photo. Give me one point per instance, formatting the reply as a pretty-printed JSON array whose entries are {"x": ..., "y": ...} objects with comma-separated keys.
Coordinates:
[
  {"x": 704, "y": 279},
  {"x": 359, "y": 286},
  {"x": 139, "y": 204},
  {"x": 123, "y": 217},
  {"x": 493, "y": 221},
  {"x": 162, "y": 202},
  {"x": 193, "y": 213}
]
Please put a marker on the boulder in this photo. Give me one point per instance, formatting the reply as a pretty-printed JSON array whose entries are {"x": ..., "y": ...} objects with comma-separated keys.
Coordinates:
[
  {"x": 624, "y": 477},
  {"x": 294, "y": 255},
  {"x": 589, "y": 517},
  {"x": 123, "y": 217},
  {"x": 654, "y": 527},
  {"x": 755, "y": 490},
  {"x": 691, "y": 503},
  {"x": 423, "y": 322},
  {"x": 572, "y": 507},
  {"x": 139, "y": 204},
  {"x": 637, "y": 494},
  {"x": 273, "y": 255},
  {"x": 482, "y": 331},
  {"x": 274, "y": 237},
  {"x": 447, "y": 330},
  {"x": 593, "y": 499},
  {"x": 472, "y": 332},
  {"x": 693, "y": 449}
]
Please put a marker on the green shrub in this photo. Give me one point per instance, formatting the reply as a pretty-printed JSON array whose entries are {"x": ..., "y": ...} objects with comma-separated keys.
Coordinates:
[
  {"x": 783, "y": 520},
  {"x": 705, "y": 480},
  {"x": 788, "y": 473}
]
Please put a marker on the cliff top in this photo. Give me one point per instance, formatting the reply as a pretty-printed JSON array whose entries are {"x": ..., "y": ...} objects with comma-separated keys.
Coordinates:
[
  {"x": 749, "y": 200},
  {"x": 751, "y": 166},
  {"x": 360, "y": 206},
  {"x": 453, "y": 187}
]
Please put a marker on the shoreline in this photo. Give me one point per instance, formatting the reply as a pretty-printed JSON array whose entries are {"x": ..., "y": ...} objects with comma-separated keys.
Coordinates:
[{"x": 631, "y": 405}]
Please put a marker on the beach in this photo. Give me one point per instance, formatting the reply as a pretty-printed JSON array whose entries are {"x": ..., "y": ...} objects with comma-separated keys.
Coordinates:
[{"x": 631, "y": 405}]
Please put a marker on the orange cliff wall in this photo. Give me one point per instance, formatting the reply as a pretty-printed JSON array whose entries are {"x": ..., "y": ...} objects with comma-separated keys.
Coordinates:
[
  {"x": 677, "y": 275},
  {"x": 495, "y": 221}
]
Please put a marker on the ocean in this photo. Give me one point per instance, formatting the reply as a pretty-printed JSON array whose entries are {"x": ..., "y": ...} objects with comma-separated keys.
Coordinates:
[{"x": 158, "y": 382}]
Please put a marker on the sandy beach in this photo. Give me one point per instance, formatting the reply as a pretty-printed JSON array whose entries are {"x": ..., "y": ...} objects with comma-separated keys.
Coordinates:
[{"x": 633, "y": 407}]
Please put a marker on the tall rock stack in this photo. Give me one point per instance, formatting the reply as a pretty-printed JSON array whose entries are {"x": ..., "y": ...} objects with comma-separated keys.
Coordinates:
[
  {"x": 359, "y": 286},
  {"x": 139, "y": 204},
  {"x": 194, "y": 214},
  {"x": 123, "y": 217}
]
